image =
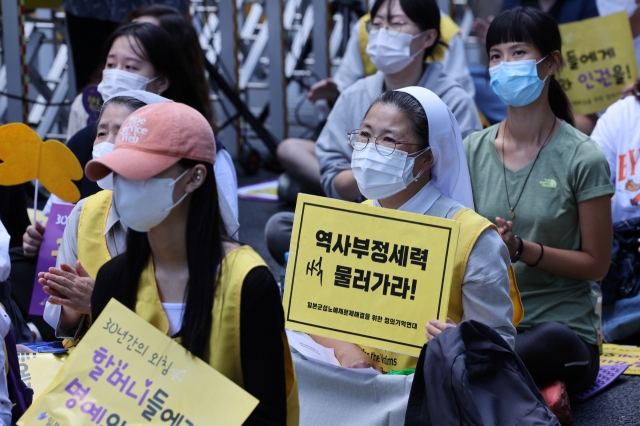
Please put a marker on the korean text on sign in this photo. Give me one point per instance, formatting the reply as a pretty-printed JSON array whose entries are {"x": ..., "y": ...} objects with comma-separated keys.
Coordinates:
[
  {"x": 599, "y": 61},
  {"x": 368, "y": 275},
  {"x": 125, "y": 371}
]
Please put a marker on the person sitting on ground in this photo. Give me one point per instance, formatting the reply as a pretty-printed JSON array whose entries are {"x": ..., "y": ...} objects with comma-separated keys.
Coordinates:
[
  {"x": 139, "y": 56},
  {"x": 402, "y": 34},
  {"x": 82, "y": 253},
  {"x": 181, "y": 271},
  {"x": 618, "y": 134},
  {"x": 547, "y": 187},
  {"x": 414, "y": 126}
]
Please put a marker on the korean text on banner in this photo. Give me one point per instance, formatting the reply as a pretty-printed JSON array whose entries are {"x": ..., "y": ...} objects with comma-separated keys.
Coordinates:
[
  {"x": 368, "y": 275},
  {"x": 48, "y": 252},
  {"x": 37, "y": 370},
  {"x": 599, "y": 61},
  {"x": 618, "y": 354},
  {"x": 125, "y": 371}
]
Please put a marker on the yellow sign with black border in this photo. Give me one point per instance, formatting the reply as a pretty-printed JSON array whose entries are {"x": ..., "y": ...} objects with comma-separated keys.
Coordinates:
[{"x": 368, "y": 275}]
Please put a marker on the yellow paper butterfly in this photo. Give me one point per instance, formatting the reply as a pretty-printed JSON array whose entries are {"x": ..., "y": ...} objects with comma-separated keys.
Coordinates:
[{"x": 25, "y": 157}]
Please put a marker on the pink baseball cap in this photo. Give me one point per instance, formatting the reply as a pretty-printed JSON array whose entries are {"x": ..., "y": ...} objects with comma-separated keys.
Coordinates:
[{"x": 154, "y": 138}]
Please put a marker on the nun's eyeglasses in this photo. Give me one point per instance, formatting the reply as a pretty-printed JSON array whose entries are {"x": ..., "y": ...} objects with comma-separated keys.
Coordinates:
[{"x": 385, "y": 145}]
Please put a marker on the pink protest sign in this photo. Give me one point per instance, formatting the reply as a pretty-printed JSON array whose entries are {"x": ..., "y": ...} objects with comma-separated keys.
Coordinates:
[{"x": 48, "y": 252}]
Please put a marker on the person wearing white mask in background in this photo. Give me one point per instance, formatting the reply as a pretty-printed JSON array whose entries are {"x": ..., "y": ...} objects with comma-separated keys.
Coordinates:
[
  {"x": 141, "y": 56},
  {"x": 296, "y": 154},
  {"x": 71, "y": 282},
  {"x": 408, "y": 156},
  {"x": 402, "y": 33},
  {"x": 546, "y": 185}
]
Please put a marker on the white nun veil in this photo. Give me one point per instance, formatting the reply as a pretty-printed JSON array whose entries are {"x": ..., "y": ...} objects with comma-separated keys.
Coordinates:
[
  {"x": 450, "y": 172},
  {"x": 229, "y": 218}
]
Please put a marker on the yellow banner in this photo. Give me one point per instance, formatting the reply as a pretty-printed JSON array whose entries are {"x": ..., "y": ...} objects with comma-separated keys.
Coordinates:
[
  {"x": 125, "y": 371},
  {"x": 618, "y": 354},
  {"x": 599, "y": 61},
  {"x": 368, "y": 275},
  {"x": 37, "y": 371}
]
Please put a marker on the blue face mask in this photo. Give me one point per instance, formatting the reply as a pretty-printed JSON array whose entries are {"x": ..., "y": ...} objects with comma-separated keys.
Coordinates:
[{"x": 517, "y": 83}]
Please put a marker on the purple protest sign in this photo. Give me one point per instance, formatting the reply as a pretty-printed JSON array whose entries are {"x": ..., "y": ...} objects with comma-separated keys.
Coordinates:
[{"x": 48, "y": 252}]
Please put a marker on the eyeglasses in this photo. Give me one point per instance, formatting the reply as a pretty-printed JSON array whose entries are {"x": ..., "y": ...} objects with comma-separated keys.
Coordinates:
[
  {"x": 360, "y": 139},
  {"x": 393, "y": 29}
]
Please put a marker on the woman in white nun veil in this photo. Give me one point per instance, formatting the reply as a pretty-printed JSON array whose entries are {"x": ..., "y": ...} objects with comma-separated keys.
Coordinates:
[
  {"x": 94, "y": 233},
  {"x": 408, "y": 155}
]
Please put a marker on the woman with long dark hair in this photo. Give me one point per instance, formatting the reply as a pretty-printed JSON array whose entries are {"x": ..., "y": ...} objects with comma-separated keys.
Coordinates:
[
  {"x": 547, "y": 187},
  {"x": 181, "y": 271}
]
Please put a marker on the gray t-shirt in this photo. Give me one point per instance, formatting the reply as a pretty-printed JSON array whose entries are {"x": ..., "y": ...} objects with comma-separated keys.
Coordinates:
[{"x": 571, "y": 169}]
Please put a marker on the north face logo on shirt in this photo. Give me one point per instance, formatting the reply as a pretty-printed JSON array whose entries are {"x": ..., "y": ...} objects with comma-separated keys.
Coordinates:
[
  {"x": 133, "y": 130},
  {"x": 548, "y": 183}
]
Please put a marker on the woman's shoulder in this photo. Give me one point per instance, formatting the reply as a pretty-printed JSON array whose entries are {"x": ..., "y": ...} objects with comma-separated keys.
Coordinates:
[
  {"x": 480, "y": 139},
  {"x": 577, "y": 144},
  {"x": 241, "y": 256}
]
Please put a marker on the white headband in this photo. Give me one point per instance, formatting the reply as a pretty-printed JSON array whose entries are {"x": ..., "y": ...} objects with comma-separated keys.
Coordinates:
[{"x": 450, "y": 172}]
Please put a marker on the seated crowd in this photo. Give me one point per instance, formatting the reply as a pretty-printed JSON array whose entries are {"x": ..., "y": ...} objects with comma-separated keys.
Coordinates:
[{"x": 538, "y": 201}]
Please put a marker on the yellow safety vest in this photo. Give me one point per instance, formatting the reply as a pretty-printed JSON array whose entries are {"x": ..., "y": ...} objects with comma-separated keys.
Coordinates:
[
  {"x": 92, "y": 243},
  {"x": 471, "y": 226},
  {"x": 448, "y": 30},
  {"x": 224, "y": 344}
]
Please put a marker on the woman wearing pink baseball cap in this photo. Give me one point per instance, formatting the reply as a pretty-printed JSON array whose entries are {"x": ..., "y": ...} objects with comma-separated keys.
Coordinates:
[{"x": 179, "y": 257}]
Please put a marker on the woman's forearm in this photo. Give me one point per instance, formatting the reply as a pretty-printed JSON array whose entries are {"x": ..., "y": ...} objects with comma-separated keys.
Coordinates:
[
  {"x": 69, "y": 319},
  {"x": 566, "y": 263},
  {"x": 346, "y": 185}
]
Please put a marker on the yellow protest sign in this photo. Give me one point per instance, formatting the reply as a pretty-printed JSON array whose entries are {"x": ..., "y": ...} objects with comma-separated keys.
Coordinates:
[
  {"x": 368, "y": 275},
  {"x": 618, "y": 354},
  {"x": 125, "y": 371},
  {"x": 37, "y": 371},
  {"x": 599, "y": 61}
]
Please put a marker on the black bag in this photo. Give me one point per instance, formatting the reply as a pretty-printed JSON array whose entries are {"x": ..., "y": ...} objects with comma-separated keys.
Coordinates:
[
  {"x": 623, "y": 279},
  {"x": 469, "y": 375}
]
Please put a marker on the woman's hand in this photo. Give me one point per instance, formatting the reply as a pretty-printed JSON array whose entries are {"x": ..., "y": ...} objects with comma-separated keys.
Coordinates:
[
  {"x": 351, "y": 356},
  {"x": 435, "y": 327},
  {"x": 68, "y": 287},
  {"x": 324, "y": 89},
  {"x": 505, "y": 228},
  {"x": 32, "y": 239}
]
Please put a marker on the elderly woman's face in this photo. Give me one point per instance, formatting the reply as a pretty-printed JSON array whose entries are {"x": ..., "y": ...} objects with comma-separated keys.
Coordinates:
[{"x": 392, "y": 127}]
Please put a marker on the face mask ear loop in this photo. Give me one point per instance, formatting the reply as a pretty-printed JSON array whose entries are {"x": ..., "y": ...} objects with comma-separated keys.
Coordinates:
[
  {"x": 171, "y": 185},
  {"x": 419, "y": 153},
  {"x": 152, "y": 80}
]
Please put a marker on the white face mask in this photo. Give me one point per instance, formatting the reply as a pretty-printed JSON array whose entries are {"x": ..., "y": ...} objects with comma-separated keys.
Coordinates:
[
  {"x": 391, "y": 54},
  {"x": 98, "y": 151},
  {"x": 381, "y": 176},
  {"x": 116, "y": 81},
  {"x": 144, "y": 204}
]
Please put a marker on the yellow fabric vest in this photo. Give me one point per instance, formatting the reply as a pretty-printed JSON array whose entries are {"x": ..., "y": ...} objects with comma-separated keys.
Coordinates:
[
  {"x": 471, "y": 226},
  {"x": 448, "y": 30},
  {"x": 224, "y": 343},
  {"x": 92, "y": 244}
]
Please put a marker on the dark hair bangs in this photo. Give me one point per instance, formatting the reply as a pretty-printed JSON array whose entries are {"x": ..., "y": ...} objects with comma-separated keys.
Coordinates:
[{"x": 512, "y": 26}]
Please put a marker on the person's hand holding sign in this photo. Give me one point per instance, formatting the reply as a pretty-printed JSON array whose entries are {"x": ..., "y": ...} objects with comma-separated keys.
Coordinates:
[
  {"x": 32, "y": 239},
  {"x": 435, "y": 327},
  {"x": 349, "y": 354},
  {"x": 68, "y": 287}
]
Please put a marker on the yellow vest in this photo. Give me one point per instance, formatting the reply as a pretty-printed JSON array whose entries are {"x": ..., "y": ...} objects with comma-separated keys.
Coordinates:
[
  {"x": 471, "y": 226},
  {"x": 224, "y": 344},
  {"x": 448, "y": 30},
  {"x": 92, "y": 243}
]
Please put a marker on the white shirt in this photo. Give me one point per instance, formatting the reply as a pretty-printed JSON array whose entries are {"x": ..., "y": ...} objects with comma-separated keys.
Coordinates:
[
  {"x": 174, "y": 313},
  {"x": 618, "y": 134}
]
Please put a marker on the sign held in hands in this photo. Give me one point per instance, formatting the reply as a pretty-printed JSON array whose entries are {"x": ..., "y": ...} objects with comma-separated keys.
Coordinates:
[
  {"x": 368, "y": 275},
  {"x": 600, "y": 61},
  {"x": 125, "y": 370}
]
